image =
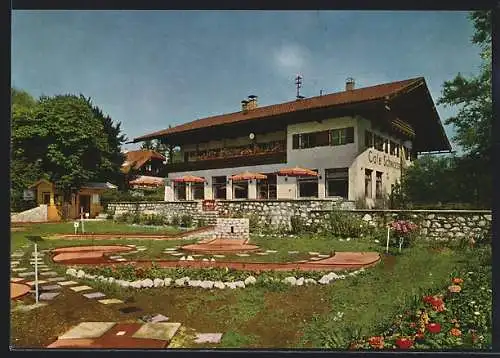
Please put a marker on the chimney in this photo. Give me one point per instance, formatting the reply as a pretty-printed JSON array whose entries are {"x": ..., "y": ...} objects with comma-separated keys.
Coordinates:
[
  {"x": 244, "y": 105},
  {"x": 252, "y": 102},
  {"x": 349, "y": 84}
]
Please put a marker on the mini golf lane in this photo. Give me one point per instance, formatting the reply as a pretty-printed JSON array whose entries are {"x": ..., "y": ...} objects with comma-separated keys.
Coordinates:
[
  {"x": 18, "y": 290},
  {"x": 221, "y": 246},
  {"x": 96, "y": 255},
  {"x": 117, "y": 235}
]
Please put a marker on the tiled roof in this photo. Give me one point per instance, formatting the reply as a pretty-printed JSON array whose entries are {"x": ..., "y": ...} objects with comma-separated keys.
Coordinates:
[
  {"x": 329, "y": 100},
  {"x": 137, "y": 158}
]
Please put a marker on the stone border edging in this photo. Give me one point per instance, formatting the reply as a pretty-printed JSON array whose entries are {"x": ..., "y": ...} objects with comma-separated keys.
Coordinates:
[
  {"x": 209, "y": 284},
  {"x": 433, "y": 211}
]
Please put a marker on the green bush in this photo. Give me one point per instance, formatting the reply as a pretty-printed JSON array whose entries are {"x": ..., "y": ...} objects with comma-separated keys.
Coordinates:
[
  {"x": 186, "y": 220},
  {"x": 253, "y": 222},
  {"x": 175, "y": 221},
  {"x": 297, "y": 224},
  {"x": 343, "y": 224}
]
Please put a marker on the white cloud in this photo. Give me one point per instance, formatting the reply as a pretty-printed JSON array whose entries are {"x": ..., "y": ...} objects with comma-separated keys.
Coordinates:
[{"x": 290, "y": 59}]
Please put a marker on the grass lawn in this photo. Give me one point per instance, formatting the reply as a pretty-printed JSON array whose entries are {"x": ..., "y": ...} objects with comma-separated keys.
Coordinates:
[{"x": 257, "y": 317}]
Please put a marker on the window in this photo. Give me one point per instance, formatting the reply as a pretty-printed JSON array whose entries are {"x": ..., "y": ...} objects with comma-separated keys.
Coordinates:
[
  {"x": 378, "y": 185},
  {"x": 308, "y": 187},
  {"x": 368, "y": 183},
  {"x": 322, "y": 139},
  {"x": 393, "y": 148},
  {"x": 240, "y": 189},
  {"x": 342, "y": 136},
  {"x": 180, "y": 191},
  {"x": 219, "y": 187},
  {"x": 378, "y": 142},
  {"x": 266, "y": 188},
  {"x": 198, "y": 191},
  {"x": 295, "y": 141},
  {"x": 337, "y": 182},
  {"x": 368, "y": 139}
]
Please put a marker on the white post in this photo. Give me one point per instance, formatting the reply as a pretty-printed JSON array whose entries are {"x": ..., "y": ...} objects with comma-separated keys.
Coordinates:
[
  {"x": 400, "y": 244},
  {"x": 36, "y": 273},
  {"x": 387, "y": 244},
  {"x": 81, "y": 219}
]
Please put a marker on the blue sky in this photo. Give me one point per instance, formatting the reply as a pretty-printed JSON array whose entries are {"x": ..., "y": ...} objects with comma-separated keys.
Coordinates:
[{"x": 149, "y": 69}]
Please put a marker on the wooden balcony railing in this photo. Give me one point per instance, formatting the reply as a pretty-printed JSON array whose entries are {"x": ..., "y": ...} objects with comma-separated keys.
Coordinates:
[{"x": 229, "y": 162}]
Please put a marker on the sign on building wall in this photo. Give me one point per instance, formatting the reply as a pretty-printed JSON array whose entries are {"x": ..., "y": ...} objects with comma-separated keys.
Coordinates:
[
  {"x": 208, "y": 205},
  {"x": 29, "y": 195},
  {"x": 382, "y": 159}
]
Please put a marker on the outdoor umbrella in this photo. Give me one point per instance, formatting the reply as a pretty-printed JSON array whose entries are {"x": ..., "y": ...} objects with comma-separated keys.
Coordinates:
[
  {"x": 189, "y": 179},
  {"x": 297, "y": 172},
  {"x": 248, "y": 176}
]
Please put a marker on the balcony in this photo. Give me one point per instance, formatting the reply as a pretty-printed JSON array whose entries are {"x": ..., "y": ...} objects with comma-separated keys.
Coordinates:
[{"x": 260, "y": 154}]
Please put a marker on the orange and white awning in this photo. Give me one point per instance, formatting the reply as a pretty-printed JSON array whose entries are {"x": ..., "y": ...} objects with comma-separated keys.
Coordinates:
[
  {"x": 248, "y": 176},
  {"x": 189, "y": 179},
  {"x": 297, "y": 172}
]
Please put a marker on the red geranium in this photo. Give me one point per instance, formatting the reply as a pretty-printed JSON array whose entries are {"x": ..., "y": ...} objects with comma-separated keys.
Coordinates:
[
  {"x": 457, "y": 281},
  {"x": 404, "y": 343},
  {"x": 434, "y": 327},
  {"x": 376, "y": 342}
]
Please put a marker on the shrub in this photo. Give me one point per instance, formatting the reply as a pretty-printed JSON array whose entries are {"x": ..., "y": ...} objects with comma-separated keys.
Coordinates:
[
  {"x": 175, "y": 221},
  {"x": 297, "y": 224},
  {"x": 343, "y": 224},
  {"x": 253, "y": 222},
  {"x": 186, "y": 220},
  {"x": 404, "y": 233}
]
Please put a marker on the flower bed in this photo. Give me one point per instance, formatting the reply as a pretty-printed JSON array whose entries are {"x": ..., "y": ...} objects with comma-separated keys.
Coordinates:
[{"x": 459, "y": 317}]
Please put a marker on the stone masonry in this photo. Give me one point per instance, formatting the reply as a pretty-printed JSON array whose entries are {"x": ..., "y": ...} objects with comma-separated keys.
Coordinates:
[{"x": 230, "y": 228}]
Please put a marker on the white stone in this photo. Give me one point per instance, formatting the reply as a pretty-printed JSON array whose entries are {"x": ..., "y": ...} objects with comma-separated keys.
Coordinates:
[
  {"x": 194, "y": 283},
  {"x": 299, "y": 281},
  {"x": 332, "y": 276},
  {"x": 231, "y": 285},
  {"x": 158, "y": 282},
  {"x": 239, "y": 284},
  {"x": 111, "y": 279},
  {"x": 367, "y": 217},
  {"x": 206, "y": 260},
  {"x": 482, "y": 223},
  {"x": 250, "y": 280},
  {"x": 207, "y": 284},
  {"x": 183, "y": 258},
  {"x": 80, "y": 274},
  {"x": 147, "y": 283},
  {"x": 290, "y": 280},
  {"x": 71, "y": 272},
  {"x": 324, "y": 280},
  {"x": 167, "y": 281},
  {"x": 219, "y": 285},
  {"x": 190, "y": 258}
]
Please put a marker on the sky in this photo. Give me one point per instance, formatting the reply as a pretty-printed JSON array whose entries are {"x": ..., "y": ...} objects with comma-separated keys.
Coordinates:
[{"x": 149, "y": 69}]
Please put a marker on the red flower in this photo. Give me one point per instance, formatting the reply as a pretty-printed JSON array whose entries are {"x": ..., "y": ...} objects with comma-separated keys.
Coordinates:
[
  {"x": 428, "y": 299},
  {"x": 434, "y": 327},
  {"x": 457, "y": 281},
  {"x": 404, "y": 343},
  {"x": 376, "y": 342}
]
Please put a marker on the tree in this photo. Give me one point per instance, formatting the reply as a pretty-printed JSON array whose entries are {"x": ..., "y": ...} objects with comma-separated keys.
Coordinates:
[{"x": 65, "y": 140}]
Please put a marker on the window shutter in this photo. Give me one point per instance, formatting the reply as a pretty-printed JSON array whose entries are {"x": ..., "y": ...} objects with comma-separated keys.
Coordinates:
[{"x": 295, "y": 140}]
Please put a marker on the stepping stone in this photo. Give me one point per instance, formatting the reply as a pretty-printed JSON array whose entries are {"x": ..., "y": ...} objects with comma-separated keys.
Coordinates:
[
  {"x": 18, "y": 255},
  {"x": 44, "y": 269},
  {"x": 19, "y": 269},
  {"x": 242, "y": 255},
  {"x": 154, "y": 319},
  {"x": 26, "y": 274},
  {"x": 32, "y": 283},
  {"x": 324, "y": 256},
  {"x": 271, "y": 251},
  {"x": 313, "y": 253},
  {"x": 208, "y": 338},
  {"x": 131, "y": 245},
  {"x": 142, "y": 249},
  {"x": 67, "y": 283},
  {"x": 14, "y": 262},
  {"x": 48, "y": 296},
  {"x": 81, "y": 288},
  {"x": 49, "y": 273},
  {"x": 115, "y": 257},
  {"x": 110, "y": 301},
  {"x": 219, "y": 256},
  {"x": 26, "y": 308},
  {"x": 163, "y": 331},
  {"x": 55, "y": 279},
  {"x": 16, "y": 279},
  {"x": 315, "y": 258},
  {"x": 293, "y": 252},
  {"x": 51, "y": 287},
  {"x": 121, "y": 259},
  {"x": 130, "y": 309},
  {"x": 262, "y": 253},
  {"x": 198, "y": 255},
  {"x": 170, "y": 249},
  {"x": 121, "y": 333},
  {"x": 302, "y": 261},
  {"x": 94, "y": 295},
  {"x": 88, "y": 330},
  {"x": 176, "y": 253}
]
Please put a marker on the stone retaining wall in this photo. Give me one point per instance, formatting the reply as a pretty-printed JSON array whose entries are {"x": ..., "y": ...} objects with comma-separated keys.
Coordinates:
[
  {"x": 437, "y": 224},
  {"x": 434, "y": 224}
]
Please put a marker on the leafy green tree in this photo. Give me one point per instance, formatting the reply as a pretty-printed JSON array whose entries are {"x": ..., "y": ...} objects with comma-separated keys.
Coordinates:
[
  {"x": 65, "y": 140},
  {"x": 473, "y": 121}
]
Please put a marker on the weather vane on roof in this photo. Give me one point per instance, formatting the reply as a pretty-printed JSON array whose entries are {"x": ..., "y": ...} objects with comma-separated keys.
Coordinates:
[{"x": 298, "y": 83}]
